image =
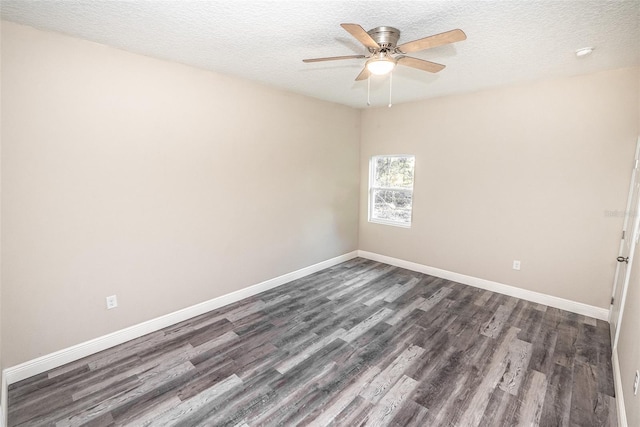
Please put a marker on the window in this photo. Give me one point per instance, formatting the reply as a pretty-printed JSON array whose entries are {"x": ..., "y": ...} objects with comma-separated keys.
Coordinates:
[{"x": 391, "y": 189}]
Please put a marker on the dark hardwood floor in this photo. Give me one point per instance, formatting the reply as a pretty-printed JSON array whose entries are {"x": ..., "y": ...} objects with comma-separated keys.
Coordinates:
[{"x": 361, "y": 343}]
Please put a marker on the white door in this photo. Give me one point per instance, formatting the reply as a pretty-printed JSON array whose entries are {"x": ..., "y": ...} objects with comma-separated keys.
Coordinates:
[{"x": 626, "y": 251}]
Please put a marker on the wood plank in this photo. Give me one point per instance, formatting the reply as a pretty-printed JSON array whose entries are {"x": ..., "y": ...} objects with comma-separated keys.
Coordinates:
[
  {"x": 287, "y": 365},
  {"x": 434, "y": 299},
  {"x": 206, "y": 378},
  {"x": 366, "y": 324},
  {"x": 392, "y": 373},
  {"x": 383, "y": 295},
  {"x": 483, "y": 298},
  {"x": 501, "y": 409},
  {"x": 565, "y": 350},
  {"x": 138, "y": 416},
  {"x": 532, "y": 325},
  {"x": 557, "y": 403},
  {"x": 365, "y": 279},
  {"x": 460, "y": 376},
  {"x": 411, "y": 414},
  {"x": 291, "y": 401},
  {"x": 587, "y": 405},
  {"x": 390, "y": 404},
  {"x": 401, "y": 290},
  {"x": 494, "y": 326},
  {"x": 191, "y": 405},
  {"x": 354, "y": 414},
  {"x": 154, "y": 380},
  {"x": 478, "y": 404},
  {"x": 236, "y": 314},
  {"x": 250, "y": 400},
  {"x": 530, "y": 410},
  {"x": 517, "y": 361},
  {"x": 604, "y": 364},
  {"x": 612, "y": 420},
  {"x": 328, "y": 415},
  {"x": 543, "y": 348},
  {"x": 401, "y": 314},
  {"x": 586, "y": 351}
]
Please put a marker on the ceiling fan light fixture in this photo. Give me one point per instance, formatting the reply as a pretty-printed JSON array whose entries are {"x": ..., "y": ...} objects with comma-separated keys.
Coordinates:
[{"x": 381, "y": 66}]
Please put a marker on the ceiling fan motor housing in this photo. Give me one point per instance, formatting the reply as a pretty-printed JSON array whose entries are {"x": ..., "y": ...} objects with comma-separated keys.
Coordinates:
[{"x": 386, "y": 37}]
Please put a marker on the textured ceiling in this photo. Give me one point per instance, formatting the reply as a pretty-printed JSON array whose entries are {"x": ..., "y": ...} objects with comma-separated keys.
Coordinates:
[{"x": 508, "y": 41}]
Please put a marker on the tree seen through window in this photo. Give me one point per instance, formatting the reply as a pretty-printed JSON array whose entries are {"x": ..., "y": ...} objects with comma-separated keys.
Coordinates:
[{"x": 391, "y": 189}]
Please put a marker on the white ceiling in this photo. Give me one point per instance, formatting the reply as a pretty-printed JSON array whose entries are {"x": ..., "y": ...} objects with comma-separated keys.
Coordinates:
[{"x": 508, "y": 41}]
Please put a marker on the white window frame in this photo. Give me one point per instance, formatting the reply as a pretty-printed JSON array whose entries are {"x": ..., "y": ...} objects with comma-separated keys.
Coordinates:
[{"x": 372, "y": 188}]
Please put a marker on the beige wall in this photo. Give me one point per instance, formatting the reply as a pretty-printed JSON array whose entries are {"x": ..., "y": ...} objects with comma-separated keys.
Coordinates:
[
  {"x": 163, "y": 184},
  {"x": 524, "y": 172},
  {"x": 629, "y": 340}
]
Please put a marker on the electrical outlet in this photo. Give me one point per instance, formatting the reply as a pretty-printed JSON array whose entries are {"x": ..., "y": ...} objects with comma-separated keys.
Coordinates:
[
  {"x": 635, "y": 383},
  {"x": 112, "y": 302},
  {"x": 516, "y": 264}
]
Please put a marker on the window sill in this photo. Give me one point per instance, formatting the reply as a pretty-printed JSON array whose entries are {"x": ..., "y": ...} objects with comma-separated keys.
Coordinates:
[{"x": 391, "y": 223}]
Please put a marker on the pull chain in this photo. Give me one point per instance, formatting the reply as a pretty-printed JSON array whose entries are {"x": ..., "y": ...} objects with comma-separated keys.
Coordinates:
[
  {"x": 390, "y": 86},
  {"x": 369, "y": 91}
]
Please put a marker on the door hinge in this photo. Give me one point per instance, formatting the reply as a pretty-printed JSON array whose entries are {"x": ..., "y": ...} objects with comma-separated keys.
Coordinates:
[
  {"x": 622, "y": 234},
  {"x": 612, "y": 300},
  {"x": 636, "y": 166}
]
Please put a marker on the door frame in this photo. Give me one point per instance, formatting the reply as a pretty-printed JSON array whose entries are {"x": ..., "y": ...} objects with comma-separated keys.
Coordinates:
[{"x": 625, "y": 229}]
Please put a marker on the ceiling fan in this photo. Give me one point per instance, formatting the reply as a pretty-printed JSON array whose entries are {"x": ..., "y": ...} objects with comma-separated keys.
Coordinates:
[{"x": 384, "y": 53}]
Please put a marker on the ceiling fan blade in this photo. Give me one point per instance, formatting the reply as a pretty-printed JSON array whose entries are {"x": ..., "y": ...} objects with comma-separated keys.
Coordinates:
[
  {"x": 433, "y": 41},
  {"x": 420, "y": 64},
  {"x": 334, "y": 58},
  {"x": 364, "y": 74},
  {"x": 359, "y": 33}
]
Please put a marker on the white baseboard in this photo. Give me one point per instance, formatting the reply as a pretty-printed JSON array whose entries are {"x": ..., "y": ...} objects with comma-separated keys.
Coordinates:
[
  {"x": 617, "y": 380},
  {"x": 537, "y": 297},
  {"x": 44, "y": 363},
  {"x": 4, "y": 389}
]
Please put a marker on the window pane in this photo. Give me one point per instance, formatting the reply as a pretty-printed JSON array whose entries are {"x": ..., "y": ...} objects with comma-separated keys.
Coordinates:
[
  {"x": 394, "y": 172},
  {"x": 392, "y": 205}
]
